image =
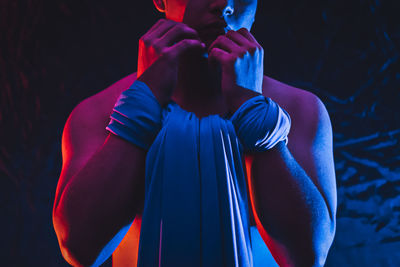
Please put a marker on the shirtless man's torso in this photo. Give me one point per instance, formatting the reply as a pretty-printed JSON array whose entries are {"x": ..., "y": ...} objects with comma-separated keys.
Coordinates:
[
  {"x": 292, "y": 188},
  {"x": 93, "y": 115}
]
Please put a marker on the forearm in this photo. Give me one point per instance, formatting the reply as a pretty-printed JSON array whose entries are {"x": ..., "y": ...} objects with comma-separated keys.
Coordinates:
[
  {"x": 99, "y": 200},
  {"x": 291, "y": 209}
]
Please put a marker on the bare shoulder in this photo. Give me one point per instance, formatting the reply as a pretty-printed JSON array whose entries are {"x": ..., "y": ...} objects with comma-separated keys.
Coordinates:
[
  {"x": 85, "y": 127},
  {"x": 310, "y": 137},
  {"x": 100, "y": 105},
  {"x": 309, "y": 115},
  {"x": 84, "y": 132},
  {"x": 97, "y": 108}
]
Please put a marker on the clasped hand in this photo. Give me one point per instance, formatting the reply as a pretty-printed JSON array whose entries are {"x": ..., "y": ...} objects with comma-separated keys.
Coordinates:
[
  {"x": 237, "y": 53},
  {"x": 241, "y": 59}
]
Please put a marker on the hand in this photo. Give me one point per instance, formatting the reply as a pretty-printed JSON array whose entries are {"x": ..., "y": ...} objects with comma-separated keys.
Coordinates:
[
  {"x": 159, "y": 52},
  {"x": 241, "y": 59}
]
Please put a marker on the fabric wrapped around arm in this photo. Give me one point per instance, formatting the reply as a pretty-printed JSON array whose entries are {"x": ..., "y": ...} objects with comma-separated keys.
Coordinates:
[
  {"x": 260, "y": 124},
  {"x": 196, "y": 210},
  {"x": 136, "y": 116}
]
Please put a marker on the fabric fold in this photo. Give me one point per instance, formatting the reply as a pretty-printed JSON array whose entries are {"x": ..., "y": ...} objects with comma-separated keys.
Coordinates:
[
  {"x": 196, "y": 209},
  {"x": 203, "y": 209}
]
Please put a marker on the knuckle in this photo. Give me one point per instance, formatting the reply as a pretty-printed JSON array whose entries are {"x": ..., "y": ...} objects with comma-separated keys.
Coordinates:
[
  {"x": 241, "y": 53},
  {"x": 180, "y": 25},
  {"x": 145, "y": 40},
  {"x": 220, "y": 38},
  {"x": 170, "y": 22},
  {"x": 187, "y": 42},
  {"x": 189, "y": 30},
  {"x": 253, "y": 49},
  {"x": 186, "y": 30}
]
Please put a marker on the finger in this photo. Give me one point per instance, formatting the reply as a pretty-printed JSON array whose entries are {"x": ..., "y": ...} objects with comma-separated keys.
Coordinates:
[
  {"x": 224, "y": 43},
  {"x": 182, "y": 46},
  {"x": 176, "y": 34},
  {"x": 247, "y": 35},
  {"x": 218, "y": 55},
  {"x": 162, "y": 28},
  {"x": 156, "y": 25},
  {"x": 238, "y": 38}
]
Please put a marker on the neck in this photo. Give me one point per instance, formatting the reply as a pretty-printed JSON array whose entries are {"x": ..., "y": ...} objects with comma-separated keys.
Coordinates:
[{"x": 197, "y": 81}]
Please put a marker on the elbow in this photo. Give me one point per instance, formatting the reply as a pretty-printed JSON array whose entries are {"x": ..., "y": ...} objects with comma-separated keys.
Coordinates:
[
  {"x": 311, "y": 259},
  {"x": 318, "y": 250},
  {"x": 308, "y": 257},
  {"x": 313, "y": 250},
  {"x": 315, "y": 258},
  {"x": 75, "y": 256},
  {"x": 72, "y": 248},
  {"x": 321, "y": 244},
  {"x": 302, "y": 257},
  {"x": 317, "y": 241}
]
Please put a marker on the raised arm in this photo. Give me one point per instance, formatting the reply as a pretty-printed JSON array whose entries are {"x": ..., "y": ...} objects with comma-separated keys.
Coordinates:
[
  {"x": 101, "y": 187},
  {"x": 294, "y": 189}
]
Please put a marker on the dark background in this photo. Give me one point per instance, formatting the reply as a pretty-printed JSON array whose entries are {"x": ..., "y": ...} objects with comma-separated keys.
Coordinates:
[{"x": 55, "y": 53}]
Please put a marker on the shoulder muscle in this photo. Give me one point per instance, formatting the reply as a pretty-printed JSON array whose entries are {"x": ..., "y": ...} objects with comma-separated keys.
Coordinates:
[
  {"x": 313, "y": 147},
  {"x": 84, "y": 131}
]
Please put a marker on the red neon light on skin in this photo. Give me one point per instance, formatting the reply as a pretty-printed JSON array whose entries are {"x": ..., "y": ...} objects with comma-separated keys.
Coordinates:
[
  {"x": 127, "y": 252},
  {"x": 176, "y": 10},
  {"x": 271, "y": 244}
]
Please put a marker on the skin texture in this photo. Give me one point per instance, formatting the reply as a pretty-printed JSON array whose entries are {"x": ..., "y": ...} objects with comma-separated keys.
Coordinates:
[{"x": 292, "y": 187}]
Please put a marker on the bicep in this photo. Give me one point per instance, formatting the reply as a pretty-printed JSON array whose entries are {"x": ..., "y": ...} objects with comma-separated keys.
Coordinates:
[
  {"x": 313, "y": 149},
  {"x": 80, "y": 140}
]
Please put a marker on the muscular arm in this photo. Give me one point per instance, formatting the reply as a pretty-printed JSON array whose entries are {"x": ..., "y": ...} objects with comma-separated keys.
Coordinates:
[
  {"x": 100, "y": 189},
  {"x": 294, "y": 188},
  {"x": 294, "y": 191}
]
